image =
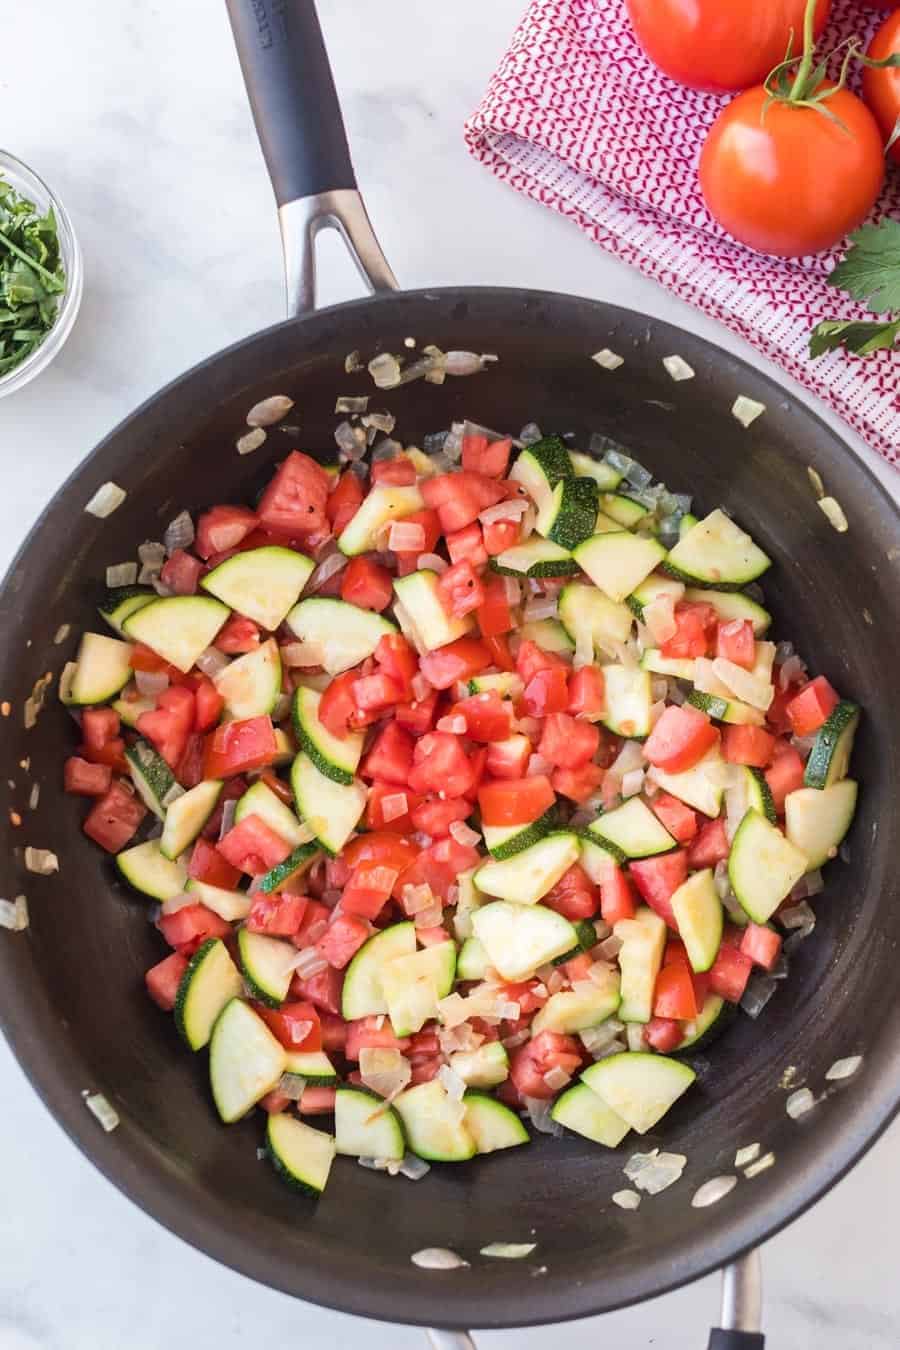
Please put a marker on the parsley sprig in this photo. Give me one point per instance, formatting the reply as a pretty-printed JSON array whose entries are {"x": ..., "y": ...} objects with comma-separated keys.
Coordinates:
[
  {"x": 31, "y": 276},
  {"x": 870, "y": 272}
]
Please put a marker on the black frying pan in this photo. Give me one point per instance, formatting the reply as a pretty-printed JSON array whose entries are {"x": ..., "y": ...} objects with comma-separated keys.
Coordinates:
[{"x": 74, "y": 1007}]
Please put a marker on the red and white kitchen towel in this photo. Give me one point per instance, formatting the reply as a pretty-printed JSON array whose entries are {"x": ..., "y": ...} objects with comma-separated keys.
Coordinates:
[{"x": 577, "y": 117}]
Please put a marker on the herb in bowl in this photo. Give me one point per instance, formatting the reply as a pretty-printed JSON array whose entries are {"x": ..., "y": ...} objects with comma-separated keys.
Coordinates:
[{"x": 31, "y": 276}]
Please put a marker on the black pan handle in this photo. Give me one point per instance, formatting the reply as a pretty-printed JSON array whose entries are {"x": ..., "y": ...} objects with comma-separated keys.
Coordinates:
[
  {"x": 298, "y": 120},
  {"x": 736, "y": 1340}
]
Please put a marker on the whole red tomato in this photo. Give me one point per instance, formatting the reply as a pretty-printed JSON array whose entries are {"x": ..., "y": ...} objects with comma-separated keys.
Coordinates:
[
  {"x": 720, "y": 45},
  {"x": 795, "y": 182},
  {"x": 881, "y": 88}
]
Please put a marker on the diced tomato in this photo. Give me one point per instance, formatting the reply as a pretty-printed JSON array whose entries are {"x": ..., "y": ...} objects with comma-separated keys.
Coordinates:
[
  {"x": 239, "y": 747},
  {"x": 491, "y": 459},
  {"x": 317, "y": 1101},
  {"x": 812, "y": 707},
  {"x": 208, "y": 704},
  {"x": 459, "y": 660},
  {"x": 439, "y": 867},
  {"x": 144, "y": 658},
  {"x": 499, "y": 535},
  {"x": 188, "y": 928},
  {"x": 343, "y": 939},
  {"x": 526, "y": 994},
  {"x": 530, "y": 1062},
  {"x": 735, "y": 642},
  {"x": 425, "y": 1069},
  {"x": 616, "y": 897},
  {"x": 368, "y": 889},
  {"x": 500, "y": 653},
  {"x": 366, "y": 1034},
  {"x": 515, "y": 801},
  {"x": 390, "y": 758},
  {"x": 488, "y": 716},
  {"x": 784, "y": 774},
  {"x": 433, "y": 816},
  {"x": 295, "y": 1025},
  {"x": 548, "y": 692},
  {"x": 189, "y": 769},
  {"x": 398, "y": 660},
  {"x": 274, "y": 1102},
  {"x": 344, "y": 502},
  {"x": 467, "y": 545},
  {"x": 663, "y": 1034},
  {"x": 375, "y": 694},
  {"x": 383, "y": 849},
  {"x": 578, "y": 784},
  {"x": 508, "y": 758},
  {"x": 181, "y": 572},
  {"x": 440, "y": 764},
  {"x": 223, "y": 528},
  {"x": 459, "y": 497},
  {"x": 423, "y": 1043},
  {"x": 367, "y": 584},
  {"x": 99, "y": 726},
  {"x": 761, "y": 944},
  {"x": 322, "y": 989},
  {"x": 695, "y": 626},
  {"x": 748, "y": 745},
  {"x": 494, "y": 614},
  {"x": 237, "y": 635},
  {"x": 163, "y": 979},
  {"x": 729, "y": 973},
  {"x": 587, "y": 696},
  {"x": 114, "y": 817},
  {"x": 334, "y": 1032},
  {"x": 710, "y": 846},
  {"x": 431, "y": 937},
  {"x": 531, "y": 659},
  {"x": 399, "y": 472},
  {"x": 681, "y": 738},
  {"x": 207, "y": 864},
  {"x": 296, "y": 500},
  {"x": 168, "y": 725},
  {"x": 657, "y": 880},
  {"x": 565, "y": 741},
  {"x": 679, "y": 820},
  {"x": 314, "y": 916},
  {"x": 776, "y": 716},
  {"x": 337, "y": 705},
  {"x": 430, "y": 523},
  {"x": 376, "y": 810},
  {"x": 574, "y": 895},
  {"x": 85, "y": 779},
  {"x": 277, "y": 915},
  {"x": 460, "y": 590},
  {"x": 253, "y": 846},
  {"x": 674, "y": 993}
]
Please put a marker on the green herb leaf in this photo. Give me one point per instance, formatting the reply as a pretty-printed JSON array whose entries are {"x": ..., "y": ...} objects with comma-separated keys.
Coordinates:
[
  {"x": 871, "y": 269},
  {"x": 31, "y": 276},
  {"x": 859, "y": 337}
]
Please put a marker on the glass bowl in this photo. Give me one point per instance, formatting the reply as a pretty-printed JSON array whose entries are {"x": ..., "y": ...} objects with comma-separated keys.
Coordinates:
[{"x": 28, "y": 184}]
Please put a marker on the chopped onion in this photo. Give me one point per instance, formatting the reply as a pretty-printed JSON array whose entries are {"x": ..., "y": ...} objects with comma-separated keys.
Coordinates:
[
  {"x": 632, "y": 783},
  {"x": 328, "y": 567},
  {"x": 61, "y": 633},
  {"x": 35, "y": 701},
  {"x": 250, "y": 441},
  {"x": 406, "y": 537},
  {"x": 151, "y": 682},
  {"x": 429, "y": 918},
  {"x": 518, "y": 1038},
  {"x": 308, "y": 962},
  {"x": 212, "y": 661},
  {"x": 179, "y": 533},
  {"x": 34, "y": 796},
  {"x": 761, "y": 1165},
  {"x": 840, "y": 1069},
  {"x": 746, "y": 1155},
  {"x": 413, "y": 1168},
  {"x": 799, "y": 1102},
  {"x": 453, "y": 1085},
  {"x": 746, "y": 410},
  {"x": 678, "y": 368},
  {"x": 608, "y": 360},
  {"x": 557, "y": 1078},
  {"x": 384, "y": 1071},
  {"x": 659, "y": 616},
  {"x": 626, "y": 1199},
  {"x": 291, "y": 1085},
  {"x": 177, "y": 902},
  {"x": 105, "y": 500},
  {"x": 654, "y": 1172},
  {"x": 834, "y": 513},
  {"x": 629, "y": 758},
  {"x": 269, "y": 411},
  {"x": 746, "y": 686},
  {"x": 465, "y": 363},
  {"x": 228, "y": 810},
  {"x": 385, "y": 370},
  {"x": 511, "y": 509},
  {"x": 350, "y": 403},
  {"x": 759, "y": 990},
  {"x": 634, "y": 1037},
  {"x": 438, "y": 1258},
  {"x": 463, "y": 834},
  {"x": 538, "y": 1109},
  {"x": 41, "y": 861},
  {"x": 816, "y": 483},
  {"x": 712, "y": 1191},
  {"x": 394, "y": 806},
  {"x": 302, "y": 655},
  {"x": 431, "y": 562},
  {"x": 723, "y": 774},
  {"x": 530, "y": 433},
  {"x": 14, "y": 914},
  {"x": 813, "y": 883},
  {"x": 105, "y": 1112},
  {"x": 121, "y": 574},
  {"x": 510, "y": 1251},
  {"x": 540, "y": 607},
  {"x": 610, "y": 947},
  {"x": 800, "y": 915},
  {"x": 792, "y": 670}
]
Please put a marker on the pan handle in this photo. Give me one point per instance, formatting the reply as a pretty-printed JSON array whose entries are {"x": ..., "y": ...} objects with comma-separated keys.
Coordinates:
[{"x": 301, "y": 130}]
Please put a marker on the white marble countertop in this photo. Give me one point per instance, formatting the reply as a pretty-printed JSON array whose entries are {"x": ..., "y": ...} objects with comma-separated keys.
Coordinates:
[{"x": 135, "y": 113}]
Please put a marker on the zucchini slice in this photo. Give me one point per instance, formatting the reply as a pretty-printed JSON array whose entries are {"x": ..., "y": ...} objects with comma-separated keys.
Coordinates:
[
  {"x": 709, "y": 1023},
  {"x": 582, "y": 1111},
  {"x": 433, "y": 1124},
  {"x": 413, "y": 985},
  {"x": 829, "y": 758},
  {"x": 549, "y": 635},
  {"x": 122, "y": 601},
  {"x": 260, "y": 800},
  {"x": 640, "y": 958},
  {"x": 267, "y": 963},
  {"x": 597, "y": 858},
  {"x": 629, "y": 698},
  {"x": 731, "y": 605},
  {"x": 300, "y": 1155},
  {"x": 331, "y": 810},
  {"x": 336, "y": 758},
  {"x": 384, "y": 502},
  {"x": 313, "y": 1065},
  {"x": 179, "y": 628},
  {"x": 365, "y": 1126},
  {"x": 419, "y": 595},
  {"x": 144, "y": 867},
  {"x": 655, "y": 587},
  {"x": 363, "y": 994},
  {"x": 717, "y": 553},
  {"x": 604, "y": 475},
  {"x": 759, "y": 794},
  {"x": 293, "y": 867},
  {"x": 491, "y": 1124},
  {"x": 251, "y": 684},
  {"x": 505, "y": 841},
  {"x": 245, "y": 1061},
  {"x": 569, "y": 513},
  {"x": 263, "y": 584},
  {"x": 618, "y": 562},
  {"x": 472, "y": 962},
  {"x": 763, "y": 866},
  {"x": 624, "y": 510},
  {"x": 186, "y": 816},
  {"x": 574, "y": 1010},
  {"x": 519, "y": 938},
  {"x": 585, "y": 609},
  {"x": 729, "y": 710},
  {"x": 131, "y": 708},
  {"x": 541, "y": 467},
  {"x": 506, "y": 683},
  {"x": 678, "y": 667},
  {"x": 530, "y": 874},
  {"x": 482, "y": 1068},
  {"x": 152, "y": 777},
  {"x": 698, "y": 912},
  {"x": 632, "y": 830},
  {"x": 693, "y": 787},
  {"x": 537, "y": 557},
  {"x": 639, "y": 1087},
  {"x": 816, "y": 819},
  {"x": 102, "y": 668},
  {"x": 344, "y": 633},
  {"x": 210, "y": 982},
  {"x": 229, "y": 905}
]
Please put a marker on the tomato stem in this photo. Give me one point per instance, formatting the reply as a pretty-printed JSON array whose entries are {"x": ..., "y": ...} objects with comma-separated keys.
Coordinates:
[{"x": 804, "y": 70}]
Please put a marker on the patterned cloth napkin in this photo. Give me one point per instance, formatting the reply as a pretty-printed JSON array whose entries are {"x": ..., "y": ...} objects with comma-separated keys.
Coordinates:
[{"x": 577, "y": 117}]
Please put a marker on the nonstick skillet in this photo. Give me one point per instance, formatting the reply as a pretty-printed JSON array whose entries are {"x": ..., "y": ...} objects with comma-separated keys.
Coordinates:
[{"x": 73, "y": 1006}]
